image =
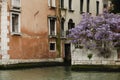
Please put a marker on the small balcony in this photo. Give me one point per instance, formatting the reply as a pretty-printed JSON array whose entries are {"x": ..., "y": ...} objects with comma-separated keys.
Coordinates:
[
  {"x": 63, "y": 34},
  {"x": 52, "y": 34}
]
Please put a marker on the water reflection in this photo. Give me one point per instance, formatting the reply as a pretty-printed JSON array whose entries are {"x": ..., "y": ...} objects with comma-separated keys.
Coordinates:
[{"x": 56, "y": 73}]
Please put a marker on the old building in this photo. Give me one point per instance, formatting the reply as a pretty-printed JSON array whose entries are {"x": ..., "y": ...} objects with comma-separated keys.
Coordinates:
[
  {"x": 71, "y": 11},
  {"x": 36, "y": 30},
  {"x": 81, "y": 56},
  {"x": 29, "y": 31}
]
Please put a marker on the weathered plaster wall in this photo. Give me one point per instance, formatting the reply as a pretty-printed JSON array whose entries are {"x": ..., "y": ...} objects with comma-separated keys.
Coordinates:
[
  {"x": 33, "y": 42},
  {"x": 80, "y": 56}
]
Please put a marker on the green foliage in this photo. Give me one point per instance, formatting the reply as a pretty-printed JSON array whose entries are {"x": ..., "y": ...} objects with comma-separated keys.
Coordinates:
[
  {"x": 116, "y": 6},
  {"x": 90, "y": 56}
]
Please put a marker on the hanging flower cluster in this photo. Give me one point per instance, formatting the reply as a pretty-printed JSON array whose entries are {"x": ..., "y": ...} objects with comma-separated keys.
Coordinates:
[{"x": 91, "y": 30}]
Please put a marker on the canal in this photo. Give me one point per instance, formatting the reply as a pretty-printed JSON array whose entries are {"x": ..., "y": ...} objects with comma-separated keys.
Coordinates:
[{"x": 56, "y": 73}]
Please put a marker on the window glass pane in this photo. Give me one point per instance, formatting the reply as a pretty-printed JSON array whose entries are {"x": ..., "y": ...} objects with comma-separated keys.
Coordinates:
[
  {"x": 81, "y": 6},
  {"x": 70, "y": 4},
  {"x": 88, "y": 5},
  {"x": 15, "y": 22},
  {"x": 52, "y": 46},
  {"x": 62, "y": 3},
  {"x": 71, "y": 24},
  {"x": 52, "y": 26},
  {"x": 97, "y": 7}
]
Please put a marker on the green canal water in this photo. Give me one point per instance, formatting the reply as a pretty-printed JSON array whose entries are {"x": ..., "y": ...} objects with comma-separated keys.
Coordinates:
[{"x": 56, "y": 73}]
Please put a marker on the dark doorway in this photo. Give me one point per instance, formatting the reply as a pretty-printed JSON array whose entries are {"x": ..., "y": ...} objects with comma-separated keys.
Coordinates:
[{"x": 67, "y": 58}]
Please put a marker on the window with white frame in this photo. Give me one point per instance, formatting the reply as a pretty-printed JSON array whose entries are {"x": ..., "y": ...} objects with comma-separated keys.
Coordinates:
[
  {"x": 81, "y": 6},
  {"x": 52, "y": 46},
  {"x": 52, "y": 3},
  {"x": 52, "y": 26},
  {"x": 15, "y": 23},
  {"x": 97, "y": 7},
  {"x": 61, "y": 3},
  {"x": 16, "y": 4},
  {"x": 88, "y": 6},
  {"x": 70, "y": 4},
  {"x": 62, "y": 27}
]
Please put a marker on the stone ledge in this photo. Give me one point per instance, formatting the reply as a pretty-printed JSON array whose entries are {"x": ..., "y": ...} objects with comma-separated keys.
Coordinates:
[
  {"x": 30, "y": 65},
  {"x": 102, "y": 68},
  {"x": 95, "y": 62},
  {"x": 16, "y": 61}
]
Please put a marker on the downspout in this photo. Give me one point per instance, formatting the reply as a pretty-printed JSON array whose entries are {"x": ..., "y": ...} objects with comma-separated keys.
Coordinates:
[{"x": 58, "y": 27}]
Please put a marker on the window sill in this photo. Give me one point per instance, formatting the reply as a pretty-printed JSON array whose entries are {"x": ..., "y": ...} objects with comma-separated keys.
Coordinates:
[
  {"x": 70, "y": 10},
  {"x": 81, "y": 12},
  {"x": 52, "y": 51},
  {"x": 52, "y": 36},
  {"x": 16, "y": 10},
  {"x": 84, "y": 12},
  {"x": 16, "y": 34},
  {"x": 52, "y": 7},
  {"x": 63, "y": 37},
  {"x": 63, "y": 8}
]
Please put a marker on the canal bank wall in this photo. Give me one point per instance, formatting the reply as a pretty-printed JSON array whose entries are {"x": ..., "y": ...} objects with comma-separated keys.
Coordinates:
[
  {"x": 32, "y": 63},
  {"x": 26, "y": 64},
  {"x": 100, "y": 68}
]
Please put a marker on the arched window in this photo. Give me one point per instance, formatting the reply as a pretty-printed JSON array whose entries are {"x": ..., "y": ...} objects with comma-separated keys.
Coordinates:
[
  {"x": 62, "y": 26},
  {"x": 71, "y": 24}
]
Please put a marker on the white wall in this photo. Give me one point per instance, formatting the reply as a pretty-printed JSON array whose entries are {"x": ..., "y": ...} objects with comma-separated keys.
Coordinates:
[
  {"x": 79, "y": 56},
  {"x": 76, "y": 15},
  {"x": 4, "y": 32}
]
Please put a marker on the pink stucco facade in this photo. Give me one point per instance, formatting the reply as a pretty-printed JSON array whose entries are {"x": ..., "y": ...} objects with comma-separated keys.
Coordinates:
[{"x": 33, "y": 39}]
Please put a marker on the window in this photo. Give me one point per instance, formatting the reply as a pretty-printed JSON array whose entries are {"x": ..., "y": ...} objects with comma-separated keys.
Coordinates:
[
  {"x": 62, "y": 3},
  {"x": 81, "y": 6},
  {"x": 52, "y": 46},
  {"x": 62, "y": 27},
  {"x": 88, "y": 5},
  {"x": 97, "y": 7},
  {"x": 16, "y": 3},
  {"x": 52, "y": 3},
  {"x": 105, "y": 6},
  {"x": 15, "y": 23},
  {"x": 71, "y": 24},
  {"x": 52, "y": 26},
  {"x": 70, "y": 4},
  {"x": 78, "y": 45}
]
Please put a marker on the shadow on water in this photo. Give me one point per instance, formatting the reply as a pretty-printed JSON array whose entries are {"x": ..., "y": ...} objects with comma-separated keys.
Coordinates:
[{"x": 56, "y": 73}]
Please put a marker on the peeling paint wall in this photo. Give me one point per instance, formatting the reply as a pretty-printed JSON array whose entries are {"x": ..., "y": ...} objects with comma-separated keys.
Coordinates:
[{"x": 33, "y": 42}]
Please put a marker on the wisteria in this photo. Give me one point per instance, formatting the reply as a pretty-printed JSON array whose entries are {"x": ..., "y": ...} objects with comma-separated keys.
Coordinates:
[{"x": 101, "y": 31}]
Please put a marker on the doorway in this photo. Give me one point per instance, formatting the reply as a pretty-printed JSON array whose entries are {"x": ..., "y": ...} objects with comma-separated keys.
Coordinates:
[{"x": 67, "y": 58}]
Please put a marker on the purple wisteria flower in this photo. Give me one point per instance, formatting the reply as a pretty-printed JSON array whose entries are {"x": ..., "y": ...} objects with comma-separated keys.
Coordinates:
[{"x": 102, "y": 28}]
